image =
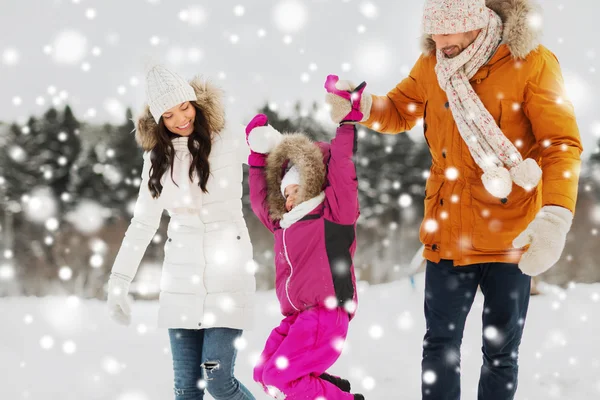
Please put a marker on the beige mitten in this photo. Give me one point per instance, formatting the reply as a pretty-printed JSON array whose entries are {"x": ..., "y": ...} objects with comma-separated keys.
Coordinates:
[
  {"x": 340, "y": 107},
  {"x": 546, "y": 236}
]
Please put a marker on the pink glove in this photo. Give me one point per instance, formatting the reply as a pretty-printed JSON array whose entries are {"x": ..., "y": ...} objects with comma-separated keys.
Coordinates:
[
  {"x": 355, "y": 96},
  {"x": 256, "y": 159}
]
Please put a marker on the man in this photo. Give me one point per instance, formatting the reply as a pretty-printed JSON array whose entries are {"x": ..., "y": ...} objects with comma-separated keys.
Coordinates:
[{"x": 503, "y": 184}]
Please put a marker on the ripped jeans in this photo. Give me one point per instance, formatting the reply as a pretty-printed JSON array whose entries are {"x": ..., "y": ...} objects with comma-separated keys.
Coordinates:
[{"x": 204, "y": 359}]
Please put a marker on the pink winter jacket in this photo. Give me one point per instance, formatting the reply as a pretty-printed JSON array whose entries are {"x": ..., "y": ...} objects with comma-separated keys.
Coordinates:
[{"x": 313, "y": 257}]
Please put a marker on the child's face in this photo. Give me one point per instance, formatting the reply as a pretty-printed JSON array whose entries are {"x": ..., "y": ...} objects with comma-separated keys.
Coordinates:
[
  {"x": 291, "y": 192},
  {"x": 180, "y": 119}
]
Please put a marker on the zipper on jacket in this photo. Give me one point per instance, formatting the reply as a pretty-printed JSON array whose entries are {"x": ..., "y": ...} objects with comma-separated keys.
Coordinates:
[{"x": 287, "y": 282}]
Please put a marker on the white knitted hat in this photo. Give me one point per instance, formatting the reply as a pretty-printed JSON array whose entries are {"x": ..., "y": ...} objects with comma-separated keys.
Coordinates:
[
  {"x": 166, "y": 89},
  {"x": 445, "y": 17},
  {"x": 292, "y": 177}
]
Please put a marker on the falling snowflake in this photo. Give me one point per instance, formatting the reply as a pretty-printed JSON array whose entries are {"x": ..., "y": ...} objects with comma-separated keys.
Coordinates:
[
  {"x": 69, "y": 347},
  {"x": 452, "y": 174},
  {"x": 290, "y": 16},
  {"x": 240, "y": 343},
  {"x": 7, "y": 272},
  {"x": 194, "y": 16},
  {"x": 373, "y": 59},
  {"x": 239, "y": 11},
  {"x": 40, "y": 205},
  {"x": 69, "y": 47},
  {"x": 47, "y": 342},
  {"x": 52, "y": 224},
  {"x": 111, "y": 366},
  {"x": 142, "y": 329},
  {"x": 90, "y": 13},
  {"x": 96, "y": 261},
  {"x": 376, "y": 332},
  {"x": 194, "y": 55},
  {"x": 405, "y": 321},
  {"x": 431, "y": 225},
  {"x": 429, "y": 377},
  {"x": 154, "y": 40},
  {"x": 65, "y": 273},
  {"x": 405, "y": 200},
  {"x": 282, "y": 362},
  {"x": 368, "y": 383},
  {"x": 209, "y": 319},
  {"x": 10, "y": 57}
]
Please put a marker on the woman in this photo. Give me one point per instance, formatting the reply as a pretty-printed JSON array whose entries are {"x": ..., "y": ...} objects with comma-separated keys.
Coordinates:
[{"x": 192, "y": 169}]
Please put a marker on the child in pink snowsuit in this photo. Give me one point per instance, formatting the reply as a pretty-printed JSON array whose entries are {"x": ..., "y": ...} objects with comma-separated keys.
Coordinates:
[{"x": 306, "y": 194}]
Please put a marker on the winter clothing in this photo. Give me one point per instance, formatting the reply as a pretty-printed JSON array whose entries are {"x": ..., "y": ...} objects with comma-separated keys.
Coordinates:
[
  {"x": 321, "y": 244},
  {"x": 521, "y": 86},
  {"x": 291, "y": 177},
  {"x": 314, "y": 246},
  {"x": 449, "y": 295},
  {"x": 299, "y": 350},
  {"x": 117, "y": 301},
  {"x": 301, "y": 210},
  {"x": 546, "y": 236},
  {"x": 166, "y": 89},
  {"x": 207, "y": 354},
  {"x": 353, "y": 96},
  {"x": 205, "y": 280},
  {"x": 443, "y": 17},
  {"x": 342, "y": 107},
  {"x": 264, "y": 139},
  {"x": 490, "y": 149},
  {"x": 341, "y": 383}
]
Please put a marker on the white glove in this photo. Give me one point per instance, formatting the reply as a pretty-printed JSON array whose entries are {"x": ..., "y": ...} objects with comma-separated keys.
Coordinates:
[
  {"x": 546, "y": 236},
  {"x": 340, "y": 107},
  {"x": 118, "y": 303}
]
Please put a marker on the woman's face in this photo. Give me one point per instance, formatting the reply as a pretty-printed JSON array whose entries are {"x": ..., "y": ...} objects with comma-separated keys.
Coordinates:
[{"x": 180, "y": 119}]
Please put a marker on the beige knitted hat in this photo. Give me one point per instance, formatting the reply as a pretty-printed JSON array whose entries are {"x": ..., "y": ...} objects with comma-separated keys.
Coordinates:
[
  {"x": 166, "y": 89},
  {"x": 443, "y": 17}
]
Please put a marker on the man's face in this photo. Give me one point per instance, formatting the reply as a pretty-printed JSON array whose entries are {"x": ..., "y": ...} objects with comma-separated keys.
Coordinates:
[{"x": 453, "y": 45}]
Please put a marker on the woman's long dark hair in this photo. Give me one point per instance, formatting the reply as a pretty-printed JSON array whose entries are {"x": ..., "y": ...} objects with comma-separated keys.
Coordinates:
[{"x": 163, "y": 154}]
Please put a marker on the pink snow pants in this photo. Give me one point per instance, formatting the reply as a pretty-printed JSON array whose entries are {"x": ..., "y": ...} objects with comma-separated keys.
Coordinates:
[{"x": 298, "y": 351}]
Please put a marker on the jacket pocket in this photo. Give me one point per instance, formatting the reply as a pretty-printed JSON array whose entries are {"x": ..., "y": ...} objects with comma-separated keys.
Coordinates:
[
  {"x": 429, "y": 231},
  {"x": 497, "y": 222},
  {"x": 515, "y": 125}
]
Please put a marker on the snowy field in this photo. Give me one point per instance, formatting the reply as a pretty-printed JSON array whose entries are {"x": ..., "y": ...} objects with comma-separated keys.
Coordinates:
[{"x": 63, "y": 348}]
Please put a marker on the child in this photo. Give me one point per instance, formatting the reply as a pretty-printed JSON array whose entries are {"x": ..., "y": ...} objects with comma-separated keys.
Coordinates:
[{"x": 306, "y": 194}]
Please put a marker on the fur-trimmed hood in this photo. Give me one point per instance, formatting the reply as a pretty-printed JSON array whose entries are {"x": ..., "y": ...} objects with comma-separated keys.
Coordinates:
[
  {"x": 309, "y": 157},
  {"x": 208, "y": 99},
  {"x": 519, "y": 34}
]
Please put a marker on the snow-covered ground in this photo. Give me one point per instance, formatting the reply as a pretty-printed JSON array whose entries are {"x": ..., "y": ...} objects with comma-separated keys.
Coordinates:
[{"x": 68, "y": 349}]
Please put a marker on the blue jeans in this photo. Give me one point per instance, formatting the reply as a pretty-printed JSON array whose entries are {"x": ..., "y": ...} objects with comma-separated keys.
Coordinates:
[
  {"x": 449, "y": 295},
  {"x": 205, "y": 358}
]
